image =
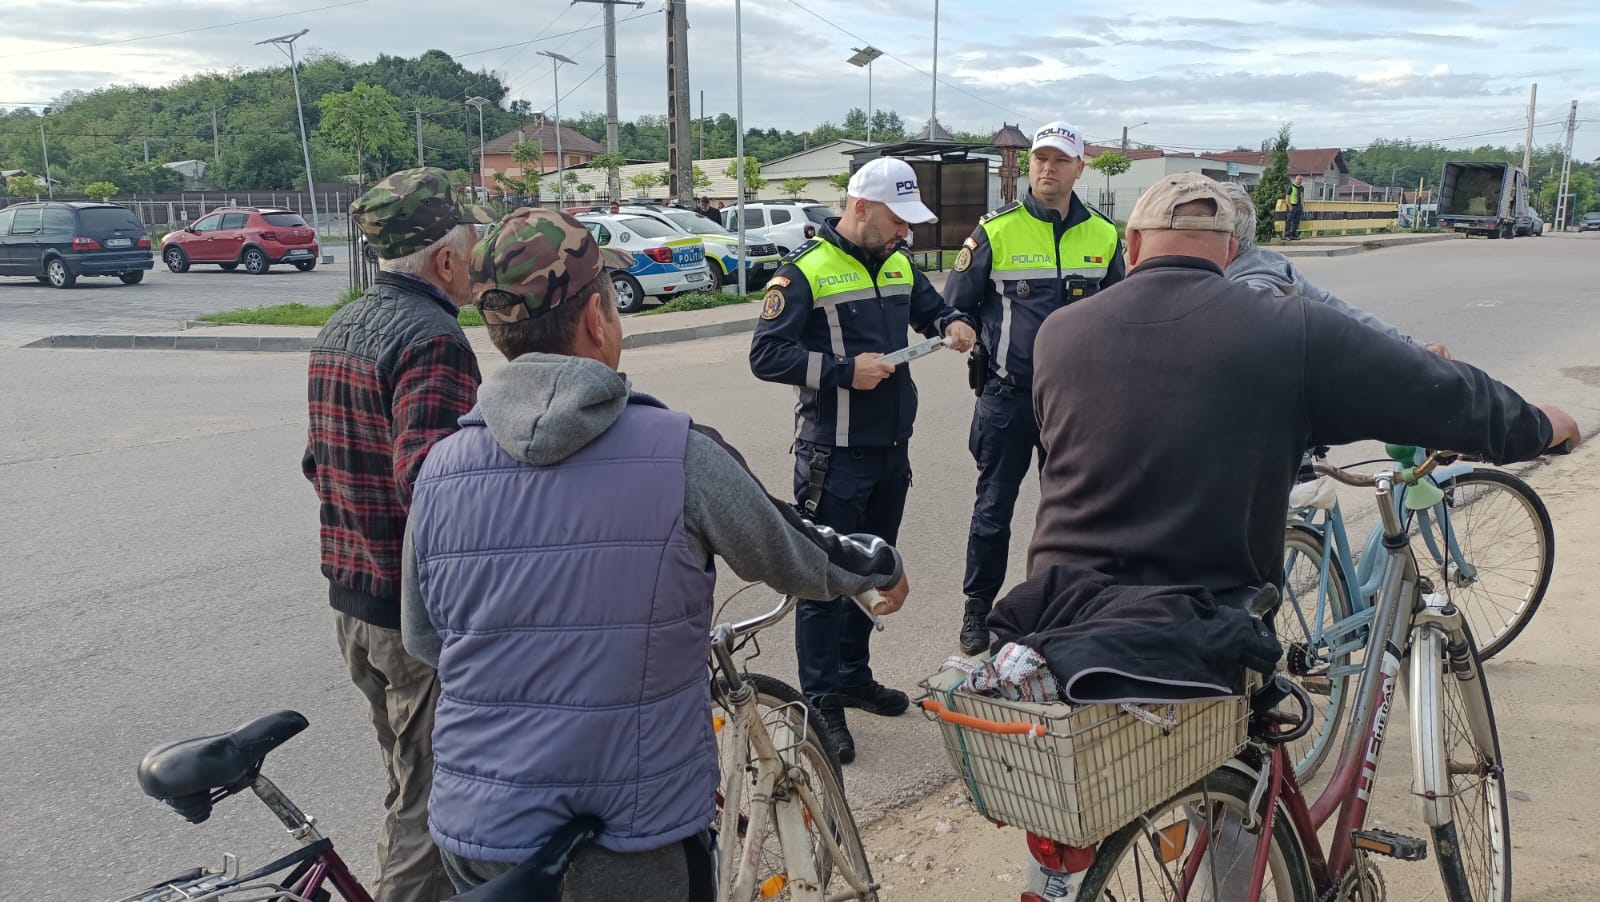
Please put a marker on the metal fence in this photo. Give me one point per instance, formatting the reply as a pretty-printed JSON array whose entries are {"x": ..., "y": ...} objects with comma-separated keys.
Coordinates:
[{"x": 165, "y": 212}]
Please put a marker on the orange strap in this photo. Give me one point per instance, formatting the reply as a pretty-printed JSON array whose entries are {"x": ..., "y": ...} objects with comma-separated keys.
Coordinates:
[{"x": 978, "y": 723}]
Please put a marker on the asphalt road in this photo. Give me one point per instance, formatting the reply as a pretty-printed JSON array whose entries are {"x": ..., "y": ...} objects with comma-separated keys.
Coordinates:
[
  {"x": 104, "y": 306},
  {"x": 159, "y": 572}
]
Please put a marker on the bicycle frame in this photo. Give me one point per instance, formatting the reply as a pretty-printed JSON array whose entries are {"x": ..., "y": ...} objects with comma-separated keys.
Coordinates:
[{"x": 777, "y": 793}]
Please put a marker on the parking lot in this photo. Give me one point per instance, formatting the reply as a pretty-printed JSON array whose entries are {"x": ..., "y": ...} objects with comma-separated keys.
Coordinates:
[{"x": 30, "y": 311}]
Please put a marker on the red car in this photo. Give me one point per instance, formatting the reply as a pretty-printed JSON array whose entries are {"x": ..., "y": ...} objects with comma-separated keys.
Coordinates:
[{"x": 251, "y": 237}]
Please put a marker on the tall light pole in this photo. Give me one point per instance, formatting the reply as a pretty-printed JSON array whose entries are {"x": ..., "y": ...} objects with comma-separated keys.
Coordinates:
[
  {"x": 45, "y": 145},
  {"x": 483, "y": 177},
  {"x": 1125, "y": 130},
  {"x": 864, "y": 57},
  {"x": 613, "y": 182},
  {"x": 738, "y": 138},
  {"x": 288, "y": 40},
  {"x": 933, "y": 110},
  {"x": 556, "y": 60}
]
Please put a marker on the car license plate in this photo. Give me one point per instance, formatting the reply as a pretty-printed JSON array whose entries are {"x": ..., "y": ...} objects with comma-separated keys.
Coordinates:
[
  {"x": 119, "y": 242},
  {"x": 695, "y": 277},
  {"x": 298, "y": 252},
  {"x": 770, "y": 264}
]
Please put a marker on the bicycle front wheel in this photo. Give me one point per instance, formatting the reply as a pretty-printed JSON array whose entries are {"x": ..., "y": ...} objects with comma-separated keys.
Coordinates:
[
  {"x": 1305, "y": 625},
  {"x": 1507, "y": 546},
  {"x": 1458, "y": 770},
  {"x": 1195, "y": 847},
  {"x": 792, "y": 725}
]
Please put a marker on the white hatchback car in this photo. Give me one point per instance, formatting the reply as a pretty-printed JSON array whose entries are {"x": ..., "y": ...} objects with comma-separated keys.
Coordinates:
[
  {"x": 721, "y": 245},
  {"x": 787, "y": 223},
  {"x": 666, "y": 260}
]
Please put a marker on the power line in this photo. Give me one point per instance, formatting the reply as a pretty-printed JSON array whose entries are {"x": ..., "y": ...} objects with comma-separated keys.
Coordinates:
[
  {"x": 552, "y": 37},
  {"x": 171, "y": 34},
  {"x": 853, "y": 36}
]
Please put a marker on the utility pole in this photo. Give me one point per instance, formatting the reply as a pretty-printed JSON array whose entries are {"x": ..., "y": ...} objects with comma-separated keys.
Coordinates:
[
  {"x": 483, "y": 177},
  {"x": 44, "y": 145},
  {"x": 1563, "y": 207},
  {"x": 147, "y": 148},
  {"x": 614, "y": 182},
  {"x": 679, "y": 138},
  {"x": 216, "y": 143},
  {"x": 1527, "y": 143},
  {"x": 933, "y": 107},
  {"x": 702, "y": 154},
  {"x": 738, "y": 140},
  {"x": 419, "y": 136}
]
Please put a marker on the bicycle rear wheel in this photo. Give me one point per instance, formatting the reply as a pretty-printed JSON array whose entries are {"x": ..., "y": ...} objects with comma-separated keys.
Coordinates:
[
  {"x": 1507, "y": 546},
  {"x": 1152, "y": 858},
  {"x": 791, "y": 723},
  {"x": 1306, "y": 629},
  {"x": 1458, "y": 767}
]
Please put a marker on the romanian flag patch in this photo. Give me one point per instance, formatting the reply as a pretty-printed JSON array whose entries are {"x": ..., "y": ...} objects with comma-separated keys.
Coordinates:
[
  {"x": 893, "y": 275},
  {"x": 1094, "y": 259}
]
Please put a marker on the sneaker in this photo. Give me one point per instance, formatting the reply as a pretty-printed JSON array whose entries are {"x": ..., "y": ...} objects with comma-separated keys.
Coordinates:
[
  {"x": 874, "y": 698},
  {"x": 832, "y": 717},
  {"x": 975, "y": 627}
]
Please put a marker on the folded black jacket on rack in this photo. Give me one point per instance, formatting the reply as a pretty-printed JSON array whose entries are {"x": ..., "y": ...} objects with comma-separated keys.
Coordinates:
[{"x": 1108, "y": 643}]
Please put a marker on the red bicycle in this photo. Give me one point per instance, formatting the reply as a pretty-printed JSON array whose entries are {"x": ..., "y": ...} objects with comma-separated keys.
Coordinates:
[{"x": 1080, "y": 782}]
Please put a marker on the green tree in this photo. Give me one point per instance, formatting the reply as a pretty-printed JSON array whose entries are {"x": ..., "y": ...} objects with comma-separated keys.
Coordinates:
[
  {"x": 701, "y": 180},
  {"x": 459, "y": 178},
  {"x": 1273, "y": 186},
  {"x": 794, "y": 186},
  {"x": 643, "y": 182},
  {"x": 752, "y": 174},
  {"x": 101, "y": 191},
  {"x": 151, "y": 178},
  {"x": 24, "y": 186},
  {"x": 664, "y": 177},
  {"x": 1110, "y": 164},
  {"x": 612, "y": 163},
  {"x": 584, "y": 190},
  {"x": 841, "y": 181},
  {"x": 364, "y": 120}
]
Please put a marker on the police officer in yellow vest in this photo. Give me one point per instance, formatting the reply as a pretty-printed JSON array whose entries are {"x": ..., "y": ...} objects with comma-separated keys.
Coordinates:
[
  {"x": 839, "y": 303},
  {"x": 1024, "y": 261}
]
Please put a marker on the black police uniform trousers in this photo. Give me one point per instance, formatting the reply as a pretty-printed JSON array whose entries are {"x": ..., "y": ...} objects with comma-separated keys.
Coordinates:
[
  {"x": 1291, "y": 226},
  {"x": 864, "y": 492},
  {"x": 1003, "y": 439}
]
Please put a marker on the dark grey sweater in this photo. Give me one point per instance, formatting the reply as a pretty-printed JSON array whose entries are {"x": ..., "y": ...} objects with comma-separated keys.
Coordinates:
[{"x": 1174, "y": 408}]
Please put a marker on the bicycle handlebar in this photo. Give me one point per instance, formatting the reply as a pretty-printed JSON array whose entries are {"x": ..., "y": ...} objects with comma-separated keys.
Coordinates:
[{"x": 871, "y": 602}]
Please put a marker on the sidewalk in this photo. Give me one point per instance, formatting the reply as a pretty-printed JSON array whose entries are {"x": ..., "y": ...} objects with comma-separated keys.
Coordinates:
[{"x": 1342, "y": 245}]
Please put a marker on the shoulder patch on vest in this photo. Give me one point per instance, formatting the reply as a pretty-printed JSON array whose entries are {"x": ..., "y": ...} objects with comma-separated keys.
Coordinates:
[
  {"x": 802, "y": 250},
  {"x": 1016, "y": 204},
  {"x": 963, "y": 259},
  {"x": 778, "y": 282},
  {"x": 772, "y": 304}
]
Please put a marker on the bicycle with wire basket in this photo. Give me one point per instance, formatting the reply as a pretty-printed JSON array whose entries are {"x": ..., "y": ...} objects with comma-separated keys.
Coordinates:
[
  {"x": 785, "y": 830},
  {"x": 1483, "y": 535},
  {"x": 1209, "y": 807}
]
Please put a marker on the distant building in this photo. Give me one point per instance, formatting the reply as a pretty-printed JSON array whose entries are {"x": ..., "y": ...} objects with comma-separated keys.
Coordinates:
[
  {"x": 1149, "y": 165},
  {"x": 1323, "y": 167},
  {"x": 575, "y": 146},
  {"x": 193, "y": 172}
]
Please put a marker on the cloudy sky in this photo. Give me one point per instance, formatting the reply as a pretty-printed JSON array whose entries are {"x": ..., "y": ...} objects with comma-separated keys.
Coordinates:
[{"x": 1204, "y": 76}]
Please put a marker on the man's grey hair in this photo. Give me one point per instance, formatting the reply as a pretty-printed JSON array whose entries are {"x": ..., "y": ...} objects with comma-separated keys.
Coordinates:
[
  {"x": 1244, "y": 213},
  {"x": 460, "y": 239}
]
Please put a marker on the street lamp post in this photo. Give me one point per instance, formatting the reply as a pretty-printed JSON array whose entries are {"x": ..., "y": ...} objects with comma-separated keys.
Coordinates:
[
  {"x": 483, "y": 176},
  {"x": 1125, "y": 130},
  {"x": 864, "y": 57},
  {"x": 738, "y": 139},
  {"x": 300, "y": 114},
  {"x": 45, "y": 146},
  {"x": 556, "y": 60}
]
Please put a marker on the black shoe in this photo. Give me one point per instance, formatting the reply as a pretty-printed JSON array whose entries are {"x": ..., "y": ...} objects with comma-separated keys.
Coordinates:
[
  {"x": 832, "y": 717},
  {"x": 975, "y": 627},
  {"x": 874, "y": 698}
]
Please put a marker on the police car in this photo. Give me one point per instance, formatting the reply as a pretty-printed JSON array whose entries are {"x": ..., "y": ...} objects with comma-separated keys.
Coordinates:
[
  {"x": 721, "y": 245},
  {"x": 666, "y": 260}
]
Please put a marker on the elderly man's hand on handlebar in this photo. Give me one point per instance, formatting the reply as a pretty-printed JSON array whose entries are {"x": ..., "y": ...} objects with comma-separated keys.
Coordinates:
[
  {"x": 894, "y": 597},
  {"x": 1563, "y": 428}
]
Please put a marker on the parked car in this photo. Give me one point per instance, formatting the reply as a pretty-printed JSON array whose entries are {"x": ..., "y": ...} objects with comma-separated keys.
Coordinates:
[
  {"x": 57, "y": 243},
  {"x": 252, "y": 237},
  {"x": 721, "y": 245},
  {"x": 667, "y": 260},
  {"x": 787, "y": 224},
  {"x": 1535, "y": 223},
  {"x": 1589, "y": 222}
]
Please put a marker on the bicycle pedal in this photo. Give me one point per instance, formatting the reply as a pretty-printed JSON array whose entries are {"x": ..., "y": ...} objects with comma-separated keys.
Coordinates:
[{"x": 1392, "y": 845}]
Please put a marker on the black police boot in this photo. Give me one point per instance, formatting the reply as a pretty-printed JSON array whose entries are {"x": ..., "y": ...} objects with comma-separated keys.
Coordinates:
[
  {"x": 874, "y": 698},
  {"x": 975, "y": 627},
  {"x": 832, "y": 717}
]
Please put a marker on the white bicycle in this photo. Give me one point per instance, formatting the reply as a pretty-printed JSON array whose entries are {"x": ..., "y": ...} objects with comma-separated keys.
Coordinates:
[{"x": 785, "y": 830}]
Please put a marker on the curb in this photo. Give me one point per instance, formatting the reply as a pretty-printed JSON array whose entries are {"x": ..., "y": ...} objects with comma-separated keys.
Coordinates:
[
  {"x": 688, "y": 333},
  {"x": 172, "y": 343},
  {"x": 1361, "y": 248}
]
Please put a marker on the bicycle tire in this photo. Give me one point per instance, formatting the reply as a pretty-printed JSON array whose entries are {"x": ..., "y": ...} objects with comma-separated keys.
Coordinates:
[
  {"x": 1479, "y": 868},
  {"x": 1291, "y": 877},
  {"x": 1492, "y": 623},
  {"x": 1310, "y": 752},
  {"x": 827, "y": 784}
]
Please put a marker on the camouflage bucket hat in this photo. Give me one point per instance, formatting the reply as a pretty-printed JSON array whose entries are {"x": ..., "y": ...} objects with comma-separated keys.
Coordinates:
[
  {"x": 412, "y": 209},
  {"x": 542, "y": 258}
]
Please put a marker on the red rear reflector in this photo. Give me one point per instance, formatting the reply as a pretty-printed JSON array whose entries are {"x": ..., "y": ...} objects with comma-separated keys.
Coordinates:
[{"x": 1059, "y": 856}]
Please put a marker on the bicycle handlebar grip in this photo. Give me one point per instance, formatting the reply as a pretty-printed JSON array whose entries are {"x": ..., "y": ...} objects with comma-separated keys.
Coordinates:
[
  {"x": 874, "y": 602},
  {"x": 981, "y": 725},
  {"x": 1563, "y": 448}
]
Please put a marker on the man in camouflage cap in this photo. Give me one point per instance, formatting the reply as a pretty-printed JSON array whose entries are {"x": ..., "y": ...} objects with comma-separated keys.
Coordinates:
[
  {"x": 412, "y": 209},
  {"x": 390, "y": 375},
  {"x": 564, "y": 535}
]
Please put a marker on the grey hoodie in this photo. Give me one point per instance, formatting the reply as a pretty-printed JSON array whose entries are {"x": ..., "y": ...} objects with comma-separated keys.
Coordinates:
[
  {"x": 543, "y": 408},
  {"x": 1271, "y": 270}
]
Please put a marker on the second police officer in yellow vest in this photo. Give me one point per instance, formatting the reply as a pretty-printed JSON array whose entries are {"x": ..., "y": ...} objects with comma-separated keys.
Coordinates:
[
  {"x": 1024, "y": 261},
  {"x": 838, "y": 304}
]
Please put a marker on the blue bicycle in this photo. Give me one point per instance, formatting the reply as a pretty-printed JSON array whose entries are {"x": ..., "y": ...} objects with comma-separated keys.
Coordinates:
[{"x": 1482, "y": 537}]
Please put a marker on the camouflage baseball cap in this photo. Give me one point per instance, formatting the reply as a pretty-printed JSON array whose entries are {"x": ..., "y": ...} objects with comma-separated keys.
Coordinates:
[
  {"x": 540, "y": 257},
  {"x": 412, "y": 209}
]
